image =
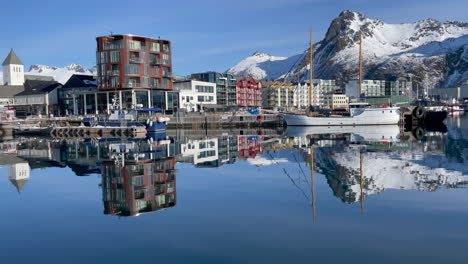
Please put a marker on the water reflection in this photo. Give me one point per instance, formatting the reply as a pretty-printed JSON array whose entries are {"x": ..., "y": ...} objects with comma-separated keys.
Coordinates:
[{"x": 139, "y": 176}]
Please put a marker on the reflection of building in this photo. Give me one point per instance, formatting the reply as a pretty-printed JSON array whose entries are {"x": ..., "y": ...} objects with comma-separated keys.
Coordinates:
[
  {"x": 19, "y": 175},
  {"x": 199, "y": 151},
  {"x": 250, "y": 146},
  {"x": 137, "y": 178}
]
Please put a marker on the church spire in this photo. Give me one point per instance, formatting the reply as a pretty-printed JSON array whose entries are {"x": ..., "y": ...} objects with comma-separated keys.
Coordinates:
[{"x": 12, "y": 59}]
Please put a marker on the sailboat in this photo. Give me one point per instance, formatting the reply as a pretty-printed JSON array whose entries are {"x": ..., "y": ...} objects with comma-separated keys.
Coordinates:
[{"x": 359, "y": 113}]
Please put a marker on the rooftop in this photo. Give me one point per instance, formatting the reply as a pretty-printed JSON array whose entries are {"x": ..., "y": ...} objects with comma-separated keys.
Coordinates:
[{"x": 12, "y": 59}]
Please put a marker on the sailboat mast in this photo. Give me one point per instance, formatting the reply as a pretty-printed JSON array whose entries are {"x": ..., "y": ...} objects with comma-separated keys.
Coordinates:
[
  {"x": 360, "y": 63},
  {"x": 312, "y": 179},
  {"x": 311, "y": 70}
]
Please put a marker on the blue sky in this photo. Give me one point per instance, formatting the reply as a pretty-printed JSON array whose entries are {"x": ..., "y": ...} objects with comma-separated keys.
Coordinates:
[{"x": 206, "y": 34}]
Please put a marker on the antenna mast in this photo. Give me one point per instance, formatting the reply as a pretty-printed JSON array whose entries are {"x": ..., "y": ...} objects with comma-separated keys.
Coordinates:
[
  {"x": 311, "y": 70},
  {"x": 360, "y": 63}
]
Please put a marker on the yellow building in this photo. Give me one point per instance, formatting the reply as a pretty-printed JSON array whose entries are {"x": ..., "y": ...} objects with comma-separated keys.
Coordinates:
[{"x": 340, "y": 101}]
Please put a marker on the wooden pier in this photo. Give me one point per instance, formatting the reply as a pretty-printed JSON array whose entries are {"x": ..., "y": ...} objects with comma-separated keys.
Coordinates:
[{"x": 97, "y": 132}]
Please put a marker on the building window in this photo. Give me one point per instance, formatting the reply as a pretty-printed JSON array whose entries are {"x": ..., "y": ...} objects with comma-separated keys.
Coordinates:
[
  {"x": 155, "y": 47},
  {"x": 132, "y": 69},
  {"x": 134, "y": 44},
  {"x": 115, "y": 56}
]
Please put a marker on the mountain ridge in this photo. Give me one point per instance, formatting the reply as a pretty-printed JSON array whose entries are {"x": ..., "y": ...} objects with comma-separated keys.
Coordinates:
[{"x": 434, "y": 53}]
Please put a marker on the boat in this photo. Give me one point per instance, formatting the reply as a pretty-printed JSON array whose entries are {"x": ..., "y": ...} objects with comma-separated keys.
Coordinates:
[
  {"x": 430, "y": 112},
  {"x": 360, "y": 113},
  {"x": 150, "y": 118},
  {"x": 32, "y": 131},
  {"x": 455, "y": 108}
]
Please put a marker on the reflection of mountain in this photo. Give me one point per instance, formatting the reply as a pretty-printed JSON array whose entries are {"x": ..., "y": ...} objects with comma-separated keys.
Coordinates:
[{"x": 407, "y": 170}]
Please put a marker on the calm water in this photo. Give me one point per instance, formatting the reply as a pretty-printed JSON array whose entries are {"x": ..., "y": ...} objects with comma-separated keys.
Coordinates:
[{"x": 375, "y": 196}]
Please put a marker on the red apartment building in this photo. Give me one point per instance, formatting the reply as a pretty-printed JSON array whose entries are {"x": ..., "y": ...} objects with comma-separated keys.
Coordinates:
[
  {"x": 138, "y": 68},
  {"x": 249, "y": 92}
]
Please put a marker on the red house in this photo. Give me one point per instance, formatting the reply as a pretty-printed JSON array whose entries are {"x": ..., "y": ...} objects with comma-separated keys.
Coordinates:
[{"x": 249, "y": 92}]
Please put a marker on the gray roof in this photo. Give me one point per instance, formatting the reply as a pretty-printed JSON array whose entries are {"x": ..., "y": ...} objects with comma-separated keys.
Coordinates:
[
  {"x": 38, "y": 87},
  {"x": 12, "y": 59},
  {"x": 10, "y": 90},
  {"x": 38, "y": 77},
  {"x": 19, "y": 184}
]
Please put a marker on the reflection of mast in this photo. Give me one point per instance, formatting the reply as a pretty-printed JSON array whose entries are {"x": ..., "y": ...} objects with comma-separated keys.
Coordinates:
[
  {"x": 361, "y": 173},
  {"x": 312, "y": 180}
]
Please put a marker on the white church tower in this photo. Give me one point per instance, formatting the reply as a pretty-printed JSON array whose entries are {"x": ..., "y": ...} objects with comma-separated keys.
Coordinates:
[{"x": 13, "y": 70}]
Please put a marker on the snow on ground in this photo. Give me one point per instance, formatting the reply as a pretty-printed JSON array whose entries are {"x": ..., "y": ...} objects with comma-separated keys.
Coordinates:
[{"x": 261, "y": 161}]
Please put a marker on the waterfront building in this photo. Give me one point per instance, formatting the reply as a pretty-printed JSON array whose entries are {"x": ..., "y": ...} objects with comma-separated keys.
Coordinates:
[
  {"x": 136, "y": 70},
  {"x": 375, "y": 88},
  {"x": 69, "y": 97},
  {"x": 450, "y": 94},
  {"x": 193, "y": 94},
  {"x": 38, "y": 98},
  {"x": 249, "y": 92},
  {"x": 339, "y": 101},
  {"x": 226, "y": 87},
  {"x": 296, "y": 95}
]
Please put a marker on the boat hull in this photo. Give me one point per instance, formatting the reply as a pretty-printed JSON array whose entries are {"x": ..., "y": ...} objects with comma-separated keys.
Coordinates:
[{"x": 374, "y": 116}]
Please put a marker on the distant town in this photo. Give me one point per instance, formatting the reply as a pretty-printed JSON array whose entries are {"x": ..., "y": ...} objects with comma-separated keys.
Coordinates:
[{"x": 138, "y": 71}]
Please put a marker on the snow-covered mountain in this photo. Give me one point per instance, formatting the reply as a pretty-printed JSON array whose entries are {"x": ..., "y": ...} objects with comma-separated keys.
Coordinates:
[
  {"x": 434, "y": 53},
  {"x": 61, "y": 75},
  {"x": 262, "y": 66}
]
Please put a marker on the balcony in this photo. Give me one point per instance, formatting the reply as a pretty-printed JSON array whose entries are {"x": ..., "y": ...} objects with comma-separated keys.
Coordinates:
[
  {"x": 156, "y": 61},
  {"x": 165, "y": 50},
  {"x": 136, "y": 60},
  {"x": 133, "y": 85},
  {"x": 167, "y": 74},
  {"x": 159, "y": 86}
]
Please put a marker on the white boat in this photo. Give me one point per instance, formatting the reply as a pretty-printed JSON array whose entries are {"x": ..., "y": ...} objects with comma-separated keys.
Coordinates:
[{"x": 360, "y": 115}]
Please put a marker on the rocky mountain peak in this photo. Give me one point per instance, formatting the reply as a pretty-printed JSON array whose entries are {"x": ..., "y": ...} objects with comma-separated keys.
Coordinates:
[{"x": 260, "y": 54}]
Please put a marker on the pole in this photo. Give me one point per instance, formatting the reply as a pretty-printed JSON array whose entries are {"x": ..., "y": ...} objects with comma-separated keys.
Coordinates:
[
  {"x": 311, "y": 70},
  {"x": 360, "y": 63}
]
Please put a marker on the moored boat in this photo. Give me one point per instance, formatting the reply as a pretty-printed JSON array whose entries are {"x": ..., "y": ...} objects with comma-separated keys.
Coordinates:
[
  {"x": 360, "y": 115},
  {"x": 142, "y": 117}
]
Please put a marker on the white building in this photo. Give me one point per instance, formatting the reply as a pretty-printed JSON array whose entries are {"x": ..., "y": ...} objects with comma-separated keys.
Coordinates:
[
  {"x": 13, "y": 70},
  {"x": 193, "y": 95},
  {"x": 281, "y": 95},
  {"x": 19, "y": 175},
  {"x": 38, "y": 98},
  {"x": 378, "y": 88}
]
